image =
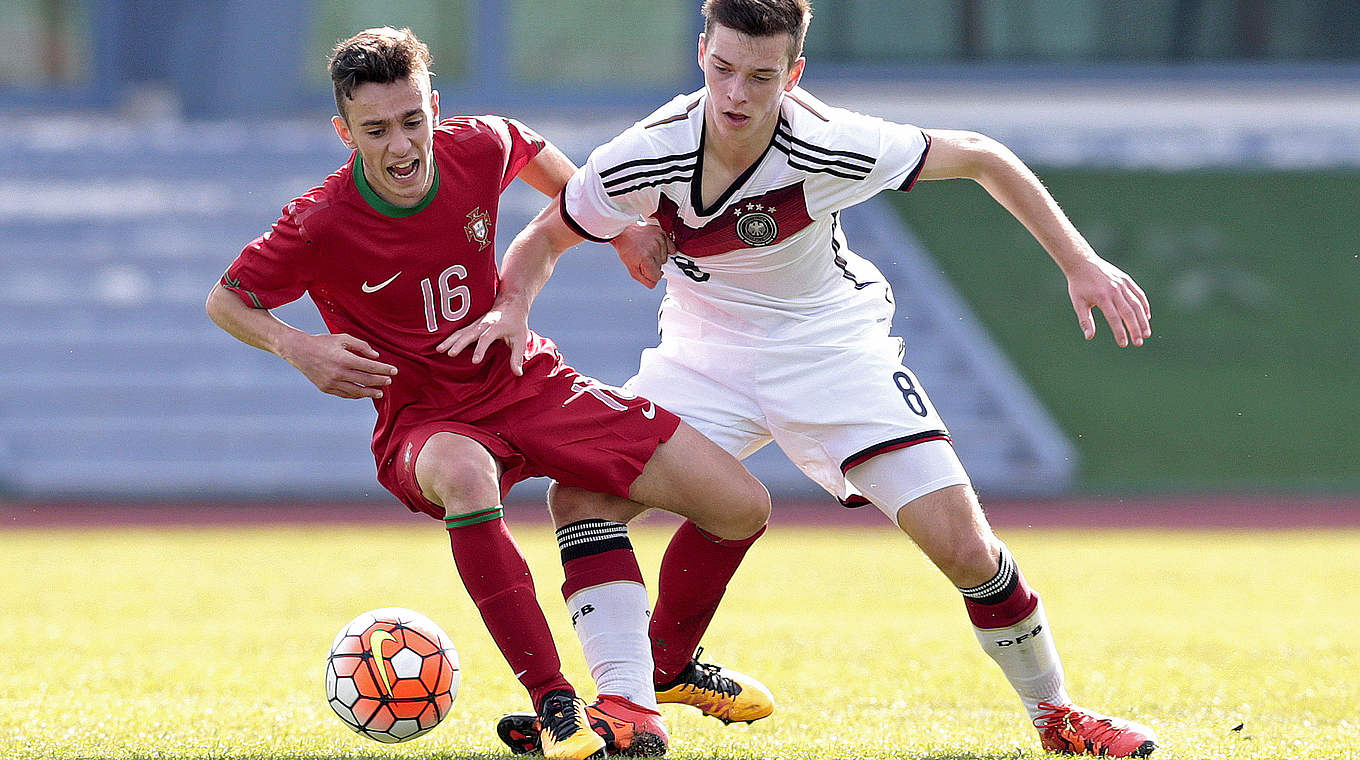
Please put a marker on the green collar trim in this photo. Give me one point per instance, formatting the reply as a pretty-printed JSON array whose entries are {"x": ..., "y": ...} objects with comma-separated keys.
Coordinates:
[{"x": 383, "y": 207}]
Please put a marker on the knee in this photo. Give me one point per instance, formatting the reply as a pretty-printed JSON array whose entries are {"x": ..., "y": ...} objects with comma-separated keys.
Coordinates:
[
  {"x": 569, "y": 504},
  {"x": 747, "y": 512},
  {"x": 459, "y": 486},
  {"x": 970, "y": 561}
]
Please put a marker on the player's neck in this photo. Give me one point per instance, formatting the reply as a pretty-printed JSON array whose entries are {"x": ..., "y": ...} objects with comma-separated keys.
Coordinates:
[{"x": 736, "y": 153}]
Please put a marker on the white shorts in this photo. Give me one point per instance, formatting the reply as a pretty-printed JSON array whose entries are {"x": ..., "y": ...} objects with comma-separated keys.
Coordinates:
[{"x": 829, "y": 408}]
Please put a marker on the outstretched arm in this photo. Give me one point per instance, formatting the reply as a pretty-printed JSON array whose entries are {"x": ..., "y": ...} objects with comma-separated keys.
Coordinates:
[
  {"x": 1092, "y": 282},
  {"x": 340, "y": 365}
]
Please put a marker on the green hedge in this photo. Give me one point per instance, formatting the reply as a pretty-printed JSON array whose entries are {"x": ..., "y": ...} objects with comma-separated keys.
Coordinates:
[{"x": 1250, "y": 379}]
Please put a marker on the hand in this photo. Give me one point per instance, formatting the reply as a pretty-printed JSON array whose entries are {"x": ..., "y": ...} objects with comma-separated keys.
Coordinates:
[
  {"x": 643, "y": 248},
  {"x": 505, "y": 324},
  {"x": 1098, "y": 283},
  {"x": 340, "y": 365}
]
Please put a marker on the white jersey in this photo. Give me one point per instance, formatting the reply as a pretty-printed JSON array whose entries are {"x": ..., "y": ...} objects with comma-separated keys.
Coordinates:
[{"x": 767, "y": 261}]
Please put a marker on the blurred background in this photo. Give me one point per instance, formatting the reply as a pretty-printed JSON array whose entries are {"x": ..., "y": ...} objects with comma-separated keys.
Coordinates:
[{"x": 1211, "y": 148}]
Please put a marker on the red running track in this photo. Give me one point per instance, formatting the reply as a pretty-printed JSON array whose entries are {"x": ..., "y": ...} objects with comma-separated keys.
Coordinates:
[{"x": 1186, "y": 512}]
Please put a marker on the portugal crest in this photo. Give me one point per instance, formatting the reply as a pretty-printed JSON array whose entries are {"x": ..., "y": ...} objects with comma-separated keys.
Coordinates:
[
  {"x": 478, "y": 228},
  {"x": 755, "y": 224}
]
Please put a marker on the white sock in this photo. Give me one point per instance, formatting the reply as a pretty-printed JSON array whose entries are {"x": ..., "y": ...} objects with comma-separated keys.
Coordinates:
[
  {"x": 1029, "y": 659},
  {"x": 611, "y": 622}
]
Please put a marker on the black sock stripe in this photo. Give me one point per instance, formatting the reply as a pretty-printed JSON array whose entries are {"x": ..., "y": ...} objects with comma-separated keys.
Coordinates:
[
  {"x": 1001, "y": 586},
  {"x": 587, "y": 537}
]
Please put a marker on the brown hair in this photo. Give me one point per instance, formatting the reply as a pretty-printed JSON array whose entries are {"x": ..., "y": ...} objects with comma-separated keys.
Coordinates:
[
  {"x": 761, "y": 18},
  {"x": 380, "y": 55}
]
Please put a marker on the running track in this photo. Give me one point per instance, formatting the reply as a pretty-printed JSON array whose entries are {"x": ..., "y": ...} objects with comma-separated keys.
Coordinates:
[{"x": 1187, "y": 512}]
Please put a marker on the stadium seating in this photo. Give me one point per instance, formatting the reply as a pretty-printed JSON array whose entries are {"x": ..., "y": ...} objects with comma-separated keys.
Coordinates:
[{"x": 118, "y": 385}]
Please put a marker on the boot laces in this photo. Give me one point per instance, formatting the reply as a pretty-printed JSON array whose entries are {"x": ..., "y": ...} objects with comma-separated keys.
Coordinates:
[
  {"x": 1064, "y": 719},
  {"x": 559, "y": 717},
  {"x": 710, "y": 678}
]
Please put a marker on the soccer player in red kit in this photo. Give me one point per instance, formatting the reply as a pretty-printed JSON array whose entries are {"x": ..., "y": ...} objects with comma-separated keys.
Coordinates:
[{"x": 396, "y": 250}]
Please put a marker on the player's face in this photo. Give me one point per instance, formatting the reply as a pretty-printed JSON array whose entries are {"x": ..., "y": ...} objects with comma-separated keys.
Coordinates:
[
  {"x": 392, "y": 127},
  {"x": 746, "y": 79}
]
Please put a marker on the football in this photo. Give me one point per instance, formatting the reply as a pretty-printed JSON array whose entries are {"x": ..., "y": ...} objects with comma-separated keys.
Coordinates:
[{"x": 392, "y": 674}]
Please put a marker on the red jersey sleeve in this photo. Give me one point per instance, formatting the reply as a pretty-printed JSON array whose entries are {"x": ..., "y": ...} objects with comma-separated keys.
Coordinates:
[
  {"x": 275, "y": 268},
  {"x": 519, "y": 145}
]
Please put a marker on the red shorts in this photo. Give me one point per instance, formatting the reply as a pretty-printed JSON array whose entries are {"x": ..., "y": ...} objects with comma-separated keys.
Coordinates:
[{"x": 551, "y": 422}]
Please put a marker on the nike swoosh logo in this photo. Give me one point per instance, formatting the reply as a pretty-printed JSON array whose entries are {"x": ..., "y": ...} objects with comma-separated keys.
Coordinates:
[
  {"x": 375, "y": 641},
  {"x": 375, "y": 288},
  {"x": 649, "y": 411}
]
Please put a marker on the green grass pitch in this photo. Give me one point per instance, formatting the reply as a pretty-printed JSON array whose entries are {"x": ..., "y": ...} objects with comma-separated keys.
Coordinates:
[{"x": 124, "y": 642}]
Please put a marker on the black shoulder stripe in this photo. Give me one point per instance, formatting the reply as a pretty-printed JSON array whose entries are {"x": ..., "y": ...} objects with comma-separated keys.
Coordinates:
[
  {"x": 783, "y": 131},
  {"x": 861, "y": 171},
  {"x": 809, "y": 108},
  {"x": 825, "y": 170},
  {"x": 677, "y": 117},
  {"x": 649, "y": 172},
  {"x": 684, "y": 176},
  {"x": 649, "y": 162}
]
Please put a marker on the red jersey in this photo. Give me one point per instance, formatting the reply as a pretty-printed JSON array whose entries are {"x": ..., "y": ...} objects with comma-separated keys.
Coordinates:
[{"x": 402, "y": 279}]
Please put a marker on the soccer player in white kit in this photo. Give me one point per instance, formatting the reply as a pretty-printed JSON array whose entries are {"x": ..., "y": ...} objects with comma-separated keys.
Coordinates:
[{"x": 772, "y": 329}]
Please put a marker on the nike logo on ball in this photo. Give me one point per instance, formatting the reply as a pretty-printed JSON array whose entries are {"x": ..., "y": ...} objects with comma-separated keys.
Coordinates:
[
  {"x": 375, "y": 288},
  {"x": 375, "y": 642}
]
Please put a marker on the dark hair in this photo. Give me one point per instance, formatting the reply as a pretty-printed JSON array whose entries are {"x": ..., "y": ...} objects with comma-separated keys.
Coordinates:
[
  {"x": 761, "y": 18},
  {"x": 380, "y": 55}
]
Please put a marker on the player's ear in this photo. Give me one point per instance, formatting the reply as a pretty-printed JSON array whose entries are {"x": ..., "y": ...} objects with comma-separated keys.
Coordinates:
[
  {"x": 342, "y": 130},
  {"x": 795, "y": 74},
  {"x": 434, "y": 105},
  {"x": 702, "y": 42}
]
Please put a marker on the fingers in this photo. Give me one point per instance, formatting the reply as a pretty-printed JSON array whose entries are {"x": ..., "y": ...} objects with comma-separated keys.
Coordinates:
[
  {"x": 1128, "y": 315},
  {"x": 356, "y": 385},
  {"x": 364, "y": 378},
  {"x": 646, "y": 272},
  {"x": 1115, "y": 319},
  {"x": 345, "y": 366},
  {"x": 1123, "y": 304},
  {"x": 357, "y": 346},
  {"x": 481, "y": 336},
  {"x": 460, "y": 339},
  {"x": 1084, "y": 319},
  {"x": 373, "y": 367},
  {"x": 514, "y": 340},
  {"x": 354, "y": 391},
  {"x": 644, "y": 248},
  {"x": 1143, "y": 308},
  {"x": 517, "y": 355}
]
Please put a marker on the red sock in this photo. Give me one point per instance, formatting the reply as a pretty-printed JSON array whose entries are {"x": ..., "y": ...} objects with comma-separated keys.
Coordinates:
[
  {"x": 595, "y": 552},
  {"x": 497, "y": 578},
  {"x": 694, "y": 574},
  {"x": 1002, "y": 601}
]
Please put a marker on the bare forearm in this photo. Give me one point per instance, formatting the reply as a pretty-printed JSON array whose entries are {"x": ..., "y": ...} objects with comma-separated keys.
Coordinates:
[
  {"x": 531, "y": 257},
  {"x": 254, "y": 327},
  {"x": 1017, "y": 189},
  {"x": 1013, "y": 185}
]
